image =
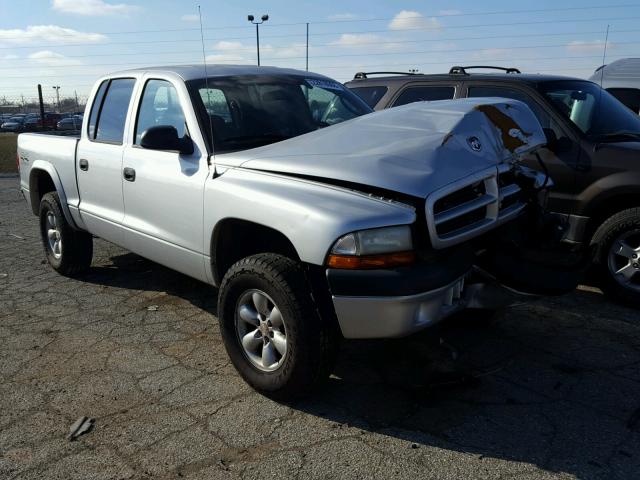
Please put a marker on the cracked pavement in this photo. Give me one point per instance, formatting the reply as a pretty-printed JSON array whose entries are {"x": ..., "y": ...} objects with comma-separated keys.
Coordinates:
[{"x": 548, "y": 390}]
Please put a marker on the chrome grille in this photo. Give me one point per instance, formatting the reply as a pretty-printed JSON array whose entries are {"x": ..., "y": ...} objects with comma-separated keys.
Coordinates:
[{"x": 472, "y": 206}]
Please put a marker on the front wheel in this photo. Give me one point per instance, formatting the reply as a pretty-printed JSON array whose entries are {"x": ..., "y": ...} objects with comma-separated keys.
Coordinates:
[
  {"x": 68, "y": 251},
  {"x": 618, "y": 257},
  {"x": 271, "y": 328}
]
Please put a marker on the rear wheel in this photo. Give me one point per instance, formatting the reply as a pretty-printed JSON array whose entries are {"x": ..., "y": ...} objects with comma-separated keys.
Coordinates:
[
  {"x": 618, "y": 257},
  {"x": 68, "y": 251},
  {"x": 271, "y": 328}
]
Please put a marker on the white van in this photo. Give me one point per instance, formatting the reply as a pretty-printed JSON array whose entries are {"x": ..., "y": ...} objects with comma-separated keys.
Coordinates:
[{"x": 622, "y": 79}]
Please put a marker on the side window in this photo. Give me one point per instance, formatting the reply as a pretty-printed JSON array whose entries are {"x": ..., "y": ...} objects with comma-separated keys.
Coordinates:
[
  {"x": 159, "y": 106},
  {"x": 422, "y": 93},
  {"x": 95, "y": 109},
  {"x": 113, "y": 114}
]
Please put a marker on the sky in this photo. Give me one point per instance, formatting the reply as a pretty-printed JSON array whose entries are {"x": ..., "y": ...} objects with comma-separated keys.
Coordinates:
[{"x": 69, "y": 43}]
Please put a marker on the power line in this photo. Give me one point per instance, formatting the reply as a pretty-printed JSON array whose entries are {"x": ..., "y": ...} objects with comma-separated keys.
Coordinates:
[
  {"x": 457, "y": 27},
  {"x": 448, "y": 61},
  {"x": 470, "y": 14},
  {"x": 333, "y": 44},
  {"x": 355, "y": 20},
  {"x": 495, "y": 60},
  {"x": 545, "y": 22},
  {"x": 413, "y": 63},
  {"x": 187, "y": 52}
]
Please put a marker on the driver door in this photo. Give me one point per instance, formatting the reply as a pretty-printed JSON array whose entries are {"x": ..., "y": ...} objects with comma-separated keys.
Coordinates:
[{"x": 163, "y": 190}]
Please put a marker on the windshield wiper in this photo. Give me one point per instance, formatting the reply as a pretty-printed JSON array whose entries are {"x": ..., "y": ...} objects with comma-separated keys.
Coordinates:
[{"x": 615, "y": 136}]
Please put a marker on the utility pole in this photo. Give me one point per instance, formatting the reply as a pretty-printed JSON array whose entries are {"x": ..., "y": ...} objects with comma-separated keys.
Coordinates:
[
  {"x": 41, "y": 106},
  {"x": 57, "y": 89},
  {"x": 307, "y": 65},
  {"x": 22, "y": 97},
  {"x": 264, "y": 18},
  {"x": 75, "y": 92}
]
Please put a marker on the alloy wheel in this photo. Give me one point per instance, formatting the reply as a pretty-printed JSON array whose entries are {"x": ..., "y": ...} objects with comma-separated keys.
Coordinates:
[
  {"x": 624, "y": 260},
  {"x": 261, "y": 330},
  {"x": 54, "y": 235}
]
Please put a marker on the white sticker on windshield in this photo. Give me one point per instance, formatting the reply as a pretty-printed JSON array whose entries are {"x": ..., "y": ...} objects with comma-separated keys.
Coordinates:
[{"x": 327, "y": 84}]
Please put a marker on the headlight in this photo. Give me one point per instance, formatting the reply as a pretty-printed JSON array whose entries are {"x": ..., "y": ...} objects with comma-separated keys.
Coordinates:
[{"x": 375, "y": 248}]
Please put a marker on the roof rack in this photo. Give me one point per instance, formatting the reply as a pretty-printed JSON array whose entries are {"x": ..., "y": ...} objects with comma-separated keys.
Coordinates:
[
  {"x": 363, "y": 75},
  {"x": 463, "y": 70}
]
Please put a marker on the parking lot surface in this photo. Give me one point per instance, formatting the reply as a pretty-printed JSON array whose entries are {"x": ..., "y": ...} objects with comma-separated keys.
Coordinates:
[{"x": 548, "y": 390}]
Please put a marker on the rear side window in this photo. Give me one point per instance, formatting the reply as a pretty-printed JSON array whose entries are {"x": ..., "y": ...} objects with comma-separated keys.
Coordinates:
[
  {"x": 95, "y": 109},
  {"x": 371, "y": 95},
  {"x": 113, "y": 112},
  {"x": 425, "y": 93}
]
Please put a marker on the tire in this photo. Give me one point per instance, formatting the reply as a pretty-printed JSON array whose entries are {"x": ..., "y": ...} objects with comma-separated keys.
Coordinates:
[
  {"x": 623, "y": 227},
  {"x": 73, "y": 252},
  {"x": 311, "y": 345}
]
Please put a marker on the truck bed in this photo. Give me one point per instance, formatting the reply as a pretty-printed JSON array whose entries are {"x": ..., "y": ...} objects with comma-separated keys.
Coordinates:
[{"x": 46, "y": 151}]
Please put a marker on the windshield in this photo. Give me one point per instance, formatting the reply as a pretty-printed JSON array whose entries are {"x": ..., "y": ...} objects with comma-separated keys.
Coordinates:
[
  {"x": 593, "y": 110},
  {"x": 249, "y": 111}
]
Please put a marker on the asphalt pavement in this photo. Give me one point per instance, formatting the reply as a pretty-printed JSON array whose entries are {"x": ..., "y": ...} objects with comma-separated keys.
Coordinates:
[{"x": 550, "y": 389}]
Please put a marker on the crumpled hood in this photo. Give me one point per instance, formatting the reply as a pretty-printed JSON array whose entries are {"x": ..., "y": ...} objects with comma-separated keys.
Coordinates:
[{"x": 414, "y": 149}]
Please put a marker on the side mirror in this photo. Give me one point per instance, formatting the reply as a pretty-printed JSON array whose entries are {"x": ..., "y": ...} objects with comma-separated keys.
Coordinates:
[{"x": 165, "y": 137}]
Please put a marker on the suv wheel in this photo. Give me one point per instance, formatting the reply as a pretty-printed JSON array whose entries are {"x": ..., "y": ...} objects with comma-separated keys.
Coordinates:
[
  {"x": 618, "y": 258},
  {"x": 68, "y": 251},
  {"x": 271, "y": 328}
]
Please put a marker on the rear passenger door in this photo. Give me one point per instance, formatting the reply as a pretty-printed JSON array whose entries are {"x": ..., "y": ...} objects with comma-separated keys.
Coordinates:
[
  {"x": 99, "y": 159},
  {"x": 414, "y": 92},
  {"x": 562, "y": 162}
]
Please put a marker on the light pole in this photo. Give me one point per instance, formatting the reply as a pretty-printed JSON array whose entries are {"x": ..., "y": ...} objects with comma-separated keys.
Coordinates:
[
  {"x": 57, "y": 89},
  {"x": 264, "y": 18}
]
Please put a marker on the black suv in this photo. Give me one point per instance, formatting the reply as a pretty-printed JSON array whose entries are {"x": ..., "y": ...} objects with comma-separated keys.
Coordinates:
[{"x": 592, "y": 155}]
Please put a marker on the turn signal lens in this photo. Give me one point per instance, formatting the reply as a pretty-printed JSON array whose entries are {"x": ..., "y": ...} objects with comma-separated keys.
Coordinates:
[{"x": 387, "y": 260}]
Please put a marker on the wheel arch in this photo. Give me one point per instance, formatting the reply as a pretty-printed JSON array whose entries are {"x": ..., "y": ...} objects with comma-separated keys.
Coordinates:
[
  {"x": 233, "y": 239},
  {"x": 43, "y": 179},
  {"x": 608, "y": 205}
]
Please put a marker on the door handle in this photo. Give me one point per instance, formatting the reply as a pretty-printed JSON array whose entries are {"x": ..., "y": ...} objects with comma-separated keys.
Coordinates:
[
  {"x": 84, "y": 164},
  {"x": 129, "y": 174}
]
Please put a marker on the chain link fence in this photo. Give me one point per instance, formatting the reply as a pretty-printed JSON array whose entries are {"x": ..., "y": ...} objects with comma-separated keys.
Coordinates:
[{"x": 10, "y": 104}]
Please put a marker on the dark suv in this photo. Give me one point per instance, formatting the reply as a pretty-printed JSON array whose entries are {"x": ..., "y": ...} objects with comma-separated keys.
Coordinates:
[{"x": 592, "y": 155}]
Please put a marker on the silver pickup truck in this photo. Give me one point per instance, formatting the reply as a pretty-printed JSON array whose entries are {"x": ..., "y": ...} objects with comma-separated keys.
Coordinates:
[{"x": 316, "y": 219}]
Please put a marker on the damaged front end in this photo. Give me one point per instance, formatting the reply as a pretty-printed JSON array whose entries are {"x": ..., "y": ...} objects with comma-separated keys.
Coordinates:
[
  {"x": 518, "y": 253},
  {"x": 490, "y": 242},
  {"x": 480, "y": 237}
]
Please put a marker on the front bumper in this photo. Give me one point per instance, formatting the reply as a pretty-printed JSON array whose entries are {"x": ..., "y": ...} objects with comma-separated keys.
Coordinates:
[
  {"x": 399, "y": 302},
  {"x": 396, "y": 316}
]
